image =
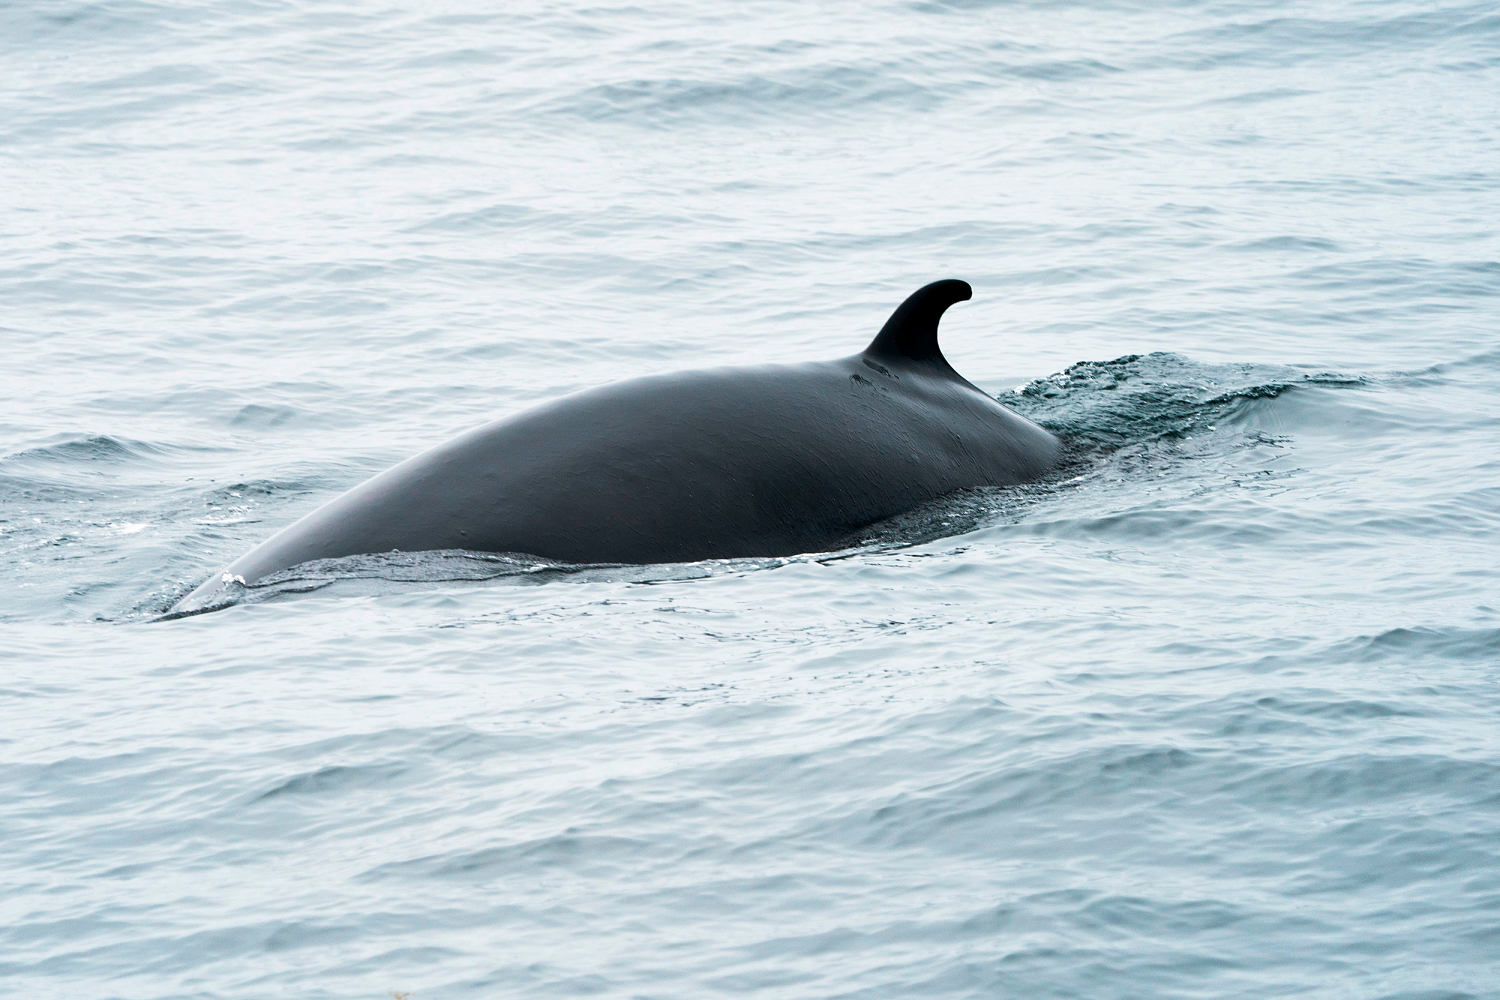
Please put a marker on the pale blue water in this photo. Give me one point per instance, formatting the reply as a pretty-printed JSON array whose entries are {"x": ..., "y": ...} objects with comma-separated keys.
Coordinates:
[{"x": 1217, "y": 716}]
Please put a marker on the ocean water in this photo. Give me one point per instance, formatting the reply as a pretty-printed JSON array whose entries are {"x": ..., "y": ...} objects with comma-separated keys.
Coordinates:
[{"x": 1216, "y": 713}]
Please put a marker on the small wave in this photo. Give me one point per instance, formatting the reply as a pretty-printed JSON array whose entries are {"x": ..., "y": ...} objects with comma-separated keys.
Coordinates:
[
  {"x": 1364, "y": 777},
  {"x": 1420, "y": 644},
  {"x": 1056, "y": 70},
  {"x": 750, "y": 96},
  {"x": 259, "y": 416},
  {"x": 252, "y": 488},
  {"x": 527, "y": 855},
  {"x": 443, "y": 565},
  {"x": 942, "y": 814},
  {"x": 387, "y": 571},
  {"x": 85, "y": 448},
  {"x": 1286, "y": 244},
  {"x": 1290, "y": 40},
  {"x": 81, "y": 23},
  {"x": 333, "y": 779},
  {"x": 1340, "y": 709},
  {"x": 26, "y": 490},
  {"x": 503, "y": 217},
  {"x": 1258, "y": 96},
  {"x": 1482, "y": 364}
]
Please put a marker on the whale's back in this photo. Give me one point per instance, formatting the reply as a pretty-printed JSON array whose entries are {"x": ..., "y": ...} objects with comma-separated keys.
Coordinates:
[
  {"x": 719, "y": 463},
  {"x": 696, "y": 465}
]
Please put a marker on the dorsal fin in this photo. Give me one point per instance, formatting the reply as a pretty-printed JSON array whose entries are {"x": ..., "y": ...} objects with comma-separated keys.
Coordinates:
[{"x": 911, "y": 332}]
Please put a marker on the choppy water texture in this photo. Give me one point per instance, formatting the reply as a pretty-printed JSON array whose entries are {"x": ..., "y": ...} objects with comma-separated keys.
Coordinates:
[{"x": 1213, "y": 716}]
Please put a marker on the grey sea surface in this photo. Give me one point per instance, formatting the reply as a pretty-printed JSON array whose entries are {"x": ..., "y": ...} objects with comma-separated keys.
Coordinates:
[{"x": 1214, "y": 714}]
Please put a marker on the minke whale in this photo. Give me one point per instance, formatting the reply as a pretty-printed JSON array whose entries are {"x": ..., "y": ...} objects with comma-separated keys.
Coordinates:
[{"x": 769, "y": 460}]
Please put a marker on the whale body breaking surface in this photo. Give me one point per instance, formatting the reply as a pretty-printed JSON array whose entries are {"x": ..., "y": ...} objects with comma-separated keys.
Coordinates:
[{"x": 769, "y": 460}]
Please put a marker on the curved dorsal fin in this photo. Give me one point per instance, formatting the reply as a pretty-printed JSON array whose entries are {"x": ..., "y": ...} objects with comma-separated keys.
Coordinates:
[{"x": 911, "y": 332}]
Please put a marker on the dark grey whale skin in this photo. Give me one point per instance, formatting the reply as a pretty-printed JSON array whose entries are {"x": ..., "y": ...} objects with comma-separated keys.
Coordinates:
[{"x": 719, "y": 463}]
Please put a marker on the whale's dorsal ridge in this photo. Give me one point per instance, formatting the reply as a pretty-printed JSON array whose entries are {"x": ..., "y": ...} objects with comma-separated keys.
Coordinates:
[{"x": 911, "y": 332}]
